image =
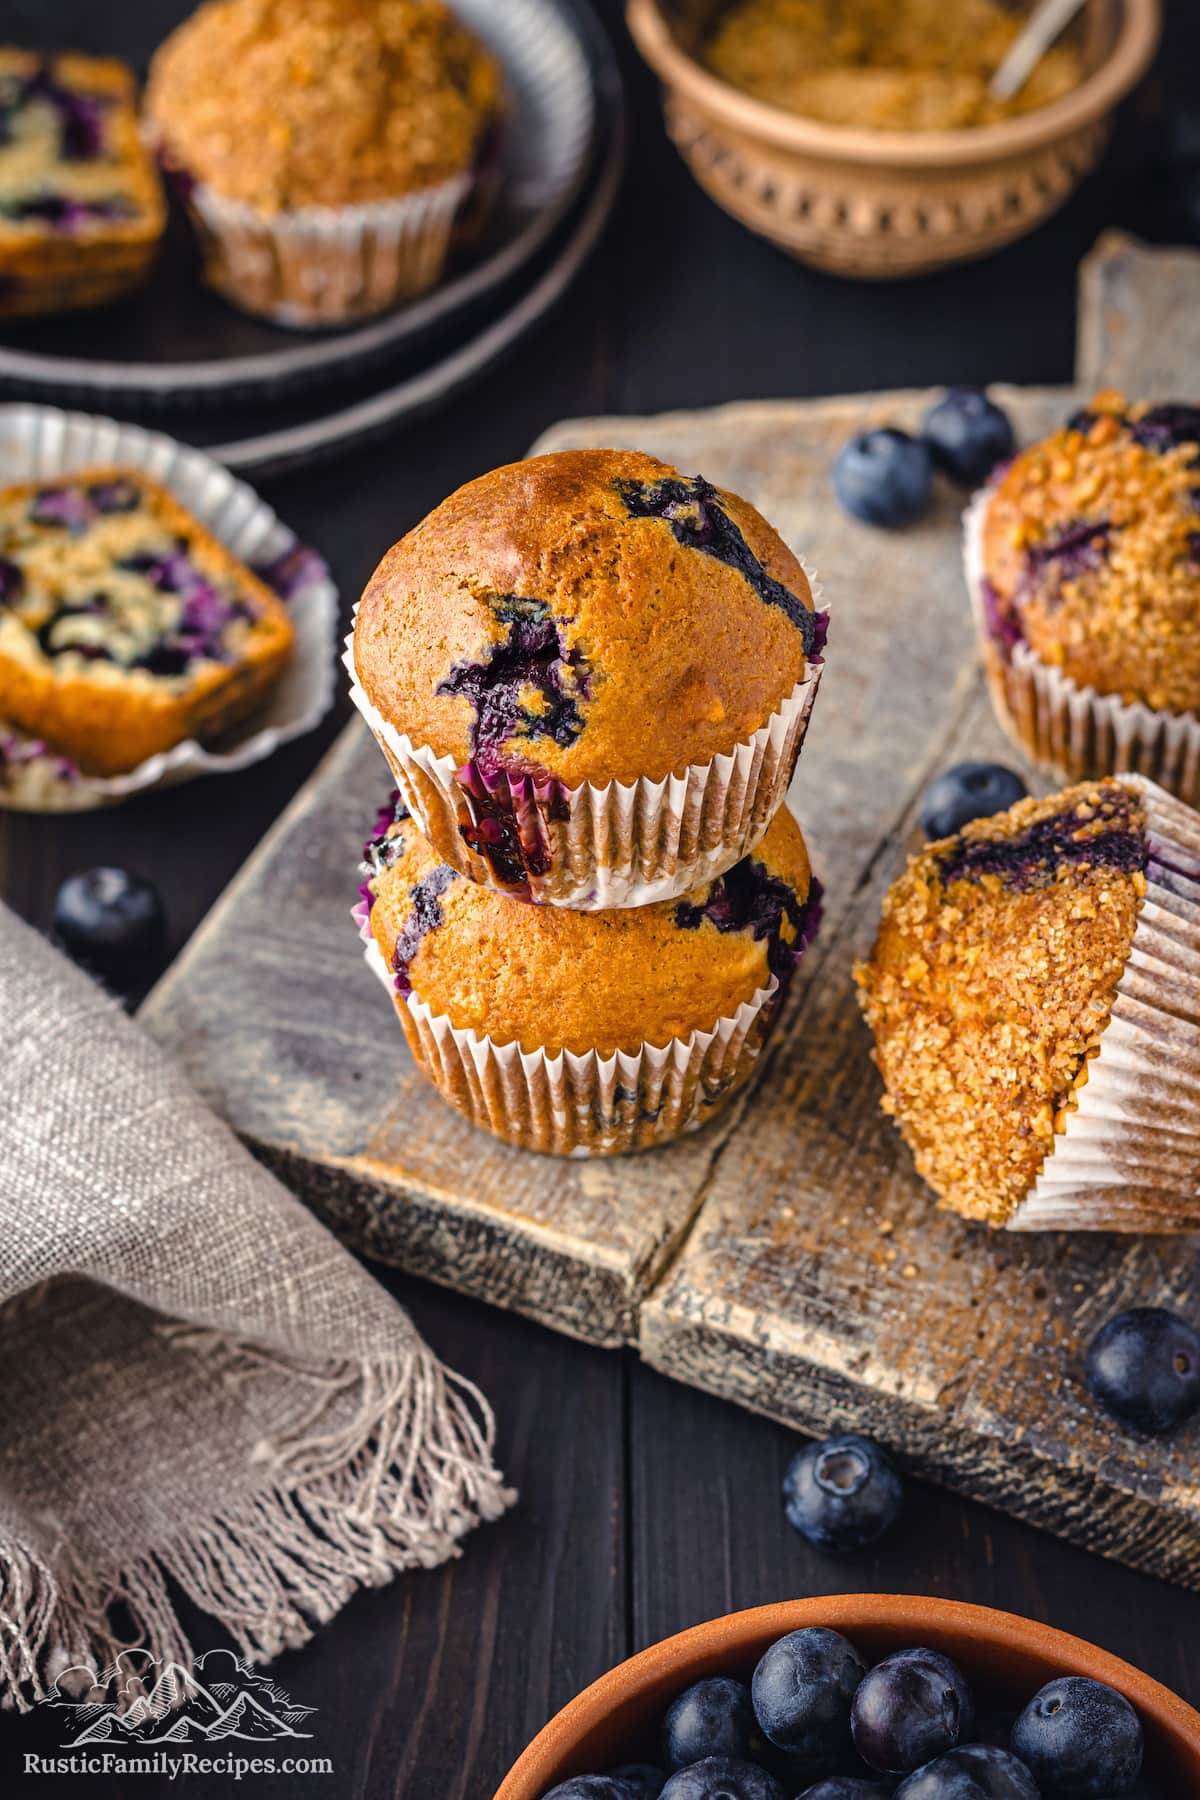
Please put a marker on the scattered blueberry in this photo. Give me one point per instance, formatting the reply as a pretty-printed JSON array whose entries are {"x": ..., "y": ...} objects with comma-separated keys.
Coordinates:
[
  {"x": 912, "y": 1707},
  {"x": 967, "y": 435},
  {"x": 1080, "y": 1738},
  {"x": 842, "y": 1494},
  {"x": 972, "y": 1772},
  {"x": 802, "y": 1691},
  {"x": 712, "y": 1718},
  {"x": 644, "y": 1781},
  {"x": 591, "y": 1787},
  {"x": 969, "y": 790},
  {"x": 722, "y": 1778},
  {"x": 846, "y": 1787},
  {"x": 884, "y": 477},
  {"x": 112, "y": 923},
  {"x": 1144, "y": 1368}
]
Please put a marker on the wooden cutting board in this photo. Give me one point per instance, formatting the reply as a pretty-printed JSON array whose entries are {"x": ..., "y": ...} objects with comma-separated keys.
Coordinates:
[{"x": 787, "y": 1257}]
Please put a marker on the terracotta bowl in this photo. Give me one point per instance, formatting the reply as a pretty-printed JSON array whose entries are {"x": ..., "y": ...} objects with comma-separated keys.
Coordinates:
[
  {"x": 1007, "y": 1659},
  {"x": 889, "y": 203}
]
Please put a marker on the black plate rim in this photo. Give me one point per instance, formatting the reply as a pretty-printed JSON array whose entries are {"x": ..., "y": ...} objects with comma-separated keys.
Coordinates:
[{"x": 217, "y": 379}]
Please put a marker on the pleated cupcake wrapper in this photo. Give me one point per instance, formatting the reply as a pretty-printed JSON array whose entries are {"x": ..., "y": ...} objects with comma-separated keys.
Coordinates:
[
  {"x": 1129, "y": 1159},
  {"x": 44, "y": 443},
  {"x": 322, "y": 265},
  {"x": 614, "y": 845},
  {"x": 1074, "y": 731},
  {"x": 571, "y": 1104}
]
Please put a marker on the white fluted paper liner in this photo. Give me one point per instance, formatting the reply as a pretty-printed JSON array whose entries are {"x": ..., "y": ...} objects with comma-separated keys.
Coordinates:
[
  {"x": 616, "y": 844},
  {"x": 1129, "y": 1159},
  {"x": 44, "y": 443},
  {"x": 571, "y": 1104},
  {"x": 322, "y": 265},
  {"x": 1074, "y": 731}
]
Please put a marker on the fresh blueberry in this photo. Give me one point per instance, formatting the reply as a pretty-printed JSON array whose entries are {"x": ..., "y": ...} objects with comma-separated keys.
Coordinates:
[
  {"x": 884, "y": 477},
  {"x": 970, "y": 790},
  {"x": 972, "y": 1772},
  {"x": 1144, "y": 1368},
  {"x": 644, "y": 1780},
  {"x": 842, "y": 1494},
  {"x": 722, "y": 1778},
  {"x": 846, "y": 1787},
  {"x": 112, "y": 923},
  {"x": 967, "y": 435},
  {"x": 712, "y": 1718},
  {"x": 803, "y": 1688},
  {"x": 912, "y": 1707},
  {"x": 1080, "y": 1738},
  {"x": 591, "y": 1787}
]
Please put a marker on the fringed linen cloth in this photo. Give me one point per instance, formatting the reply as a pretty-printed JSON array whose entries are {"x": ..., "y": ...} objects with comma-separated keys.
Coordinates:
[{"x": 196, "y": 1380}]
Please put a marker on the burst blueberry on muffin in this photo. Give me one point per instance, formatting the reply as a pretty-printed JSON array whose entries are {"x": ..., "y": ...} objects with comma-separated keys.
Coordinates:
[
  {"x": 1031, "y": 977},
  {"x": 585, "y": 1032},
  {"x": 578, "y": 621},
  {"x": 125, "y": 626},
  {"x": 1084, "y": 563},
  {"x": 81, "y": 210},
  {"x": 328, "y": 153}
]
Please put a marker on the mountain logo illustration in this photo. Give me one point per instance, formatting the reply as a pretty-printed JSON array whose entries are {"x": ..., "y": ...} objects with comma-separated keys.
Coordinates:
[{"x": 136, "y": 1701}]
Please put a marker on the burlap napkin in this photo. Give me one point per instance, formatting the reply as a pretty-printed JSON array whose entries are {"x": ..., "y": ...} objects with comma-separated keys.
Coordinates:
[{"x": 196, "y": 1380}]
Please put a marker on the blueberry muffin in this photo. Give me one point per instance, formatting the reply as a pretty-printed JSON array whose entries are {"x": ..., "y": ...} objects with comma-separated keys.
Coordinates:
[
  {"x": 1030, "y": 977},
  {"x": 591, "y": 675},
  {"x": 1084, "y": 563},
  {"x": 584, "y": 1032},
  {"x": 81, "y": 209},
  {"x": 329, "y": 152},
  {"x": 125, "y": 626}
]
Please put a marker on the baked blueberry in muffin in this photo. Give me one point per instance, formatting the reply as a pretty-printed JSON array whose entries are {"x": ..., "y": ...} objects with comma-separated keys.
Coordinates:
[
  {"x": 125, "y": 626},
  {"x": 548, "y": 981},
  {"x": 577, "y": 621},
  {"x": 992, "y": 984},
  {"x": 81, "y": 210}
]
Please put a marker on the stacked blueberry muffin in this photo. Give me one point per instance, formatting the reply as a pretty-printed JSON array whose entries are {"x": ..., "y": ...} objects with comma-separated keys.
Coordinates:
[{"x": 591, "y": 677}]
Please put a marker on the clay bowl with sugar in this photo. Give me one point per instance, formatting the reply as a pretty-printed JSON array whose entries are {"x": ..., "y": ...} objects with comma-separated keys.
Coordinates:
[
  {"x": 1006, "y": 1659},
  {"x": 880, "y": 204}
]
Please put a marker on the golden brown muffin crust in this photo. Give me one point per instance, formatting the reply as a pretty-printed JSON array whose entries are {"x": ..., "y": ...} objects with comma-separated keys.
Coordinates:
[
  {"x": 1091, "y": 547},
  {"x": 291, "y": 103},
  {"x": 551, "y": 979},
  {"x": 991, "y": 983},
  {"x": 665, "y": 654}
]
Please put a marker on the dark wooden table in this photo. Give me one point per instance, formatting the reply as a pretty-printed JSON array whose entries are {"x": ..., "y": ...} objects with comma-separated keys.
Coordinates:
[{"x": 644, "y": 1506}]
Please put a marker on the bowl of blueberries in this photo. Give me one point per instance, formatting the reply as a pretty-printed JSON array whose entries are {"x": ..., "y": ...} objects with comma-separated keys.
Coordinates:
[{"x": 859, "y": 1696}]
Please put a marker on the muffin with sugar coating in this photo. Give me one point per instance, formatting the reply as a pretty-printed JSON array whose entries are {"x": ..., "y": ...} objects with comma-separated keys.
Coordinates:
[{"x": 591, "y": 676}]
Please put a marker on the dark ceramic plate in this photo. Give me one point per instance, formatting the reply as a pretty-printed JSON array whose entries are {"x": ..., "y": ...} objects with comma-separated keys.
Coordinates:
[{"x": 177, "y": 345}]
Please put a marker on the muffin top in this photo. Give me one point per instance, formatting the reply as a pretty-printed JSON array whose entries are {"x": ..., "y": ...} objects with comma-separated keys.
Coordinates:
[
  {"x": 591, "y": 615},
  {"x": 1091, "y": 552},
  {"x": 552, "y": 979},
  {"x": 992, "y": 981},
  {"x": 291, "y": 103}
]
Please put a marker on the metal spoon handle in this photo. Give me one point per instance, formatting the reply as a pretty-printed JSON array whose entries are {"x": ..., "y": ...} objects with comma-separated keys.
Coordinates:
[{"x": 1045, "y": 24}]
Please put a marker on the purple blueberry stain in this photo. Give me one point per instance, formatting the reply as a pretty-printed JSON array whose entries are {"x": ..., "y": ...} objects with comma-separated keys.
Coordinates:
[
  {"x": 120, "y": 495},
  {"x": 80, "y": 114},
  {"x": 298, "y": 567},
  {"x": 62, "y": 508},
  {"x": 749, "y": 898},
  {"x": 426, "y": 916},
  {"x": 12, "y": 581},
  {"x": 1038, "y": 855},
  {"x": 691, "y": 507}
]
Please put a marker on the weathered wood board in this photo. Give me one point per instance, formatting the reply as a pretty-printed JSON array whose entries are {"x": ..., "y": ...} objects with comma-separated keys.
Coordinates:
[{"x": 787, "y": 1257}]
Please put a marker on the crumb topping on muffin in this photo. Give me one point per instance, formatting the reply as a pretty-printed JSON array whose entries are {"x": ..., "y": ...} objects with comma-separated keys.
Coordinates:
[
  {"x": 991, "y": 983},
  {"x": 1091, "y": 552},
  {"x": 329, "y": 103},
  {"x": 586, "y": 616},
  {"x": 550, "y": 978},
  {"x": 896, "y": 65}
]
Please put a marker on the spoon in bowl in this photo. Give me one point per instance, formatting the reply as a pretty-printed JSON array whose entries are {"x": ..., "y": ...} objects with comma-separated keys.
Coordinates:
[{"x": 1045, "y": 23}]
